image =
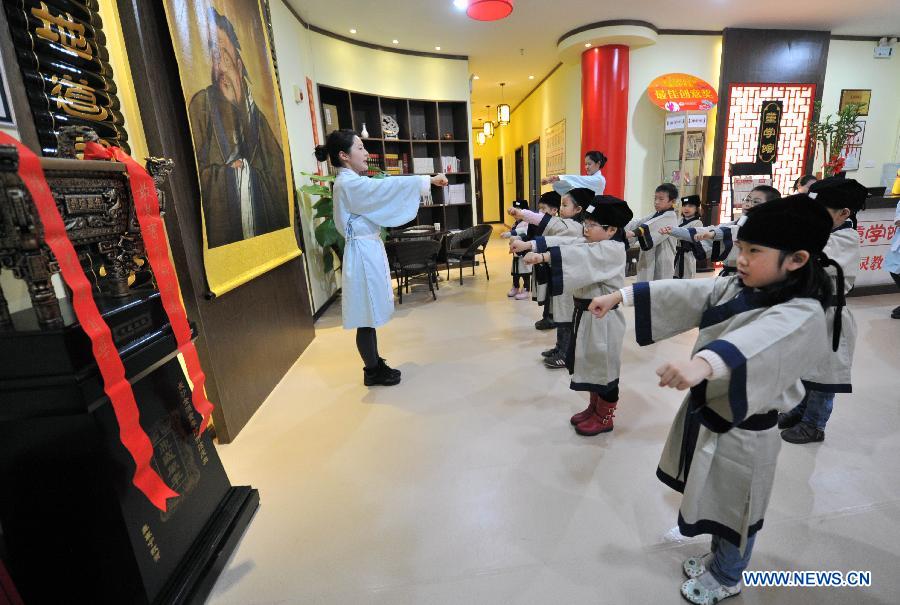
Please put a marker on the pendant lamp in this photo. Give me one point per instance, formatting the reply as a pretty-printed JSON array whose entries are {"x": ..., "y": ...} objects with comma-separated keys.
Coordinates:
[
  {"x": 489, "y": 10},
  {"x": 502, "y": 109},
  {"x": 480, "y": 137},
  {"x": 488, "y": 130}
]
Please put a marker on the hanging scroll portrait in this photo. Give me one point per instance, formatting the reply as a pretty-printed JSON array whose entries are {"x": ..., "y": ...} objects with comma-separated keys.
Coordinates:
[{"x": 240, "y": 142}]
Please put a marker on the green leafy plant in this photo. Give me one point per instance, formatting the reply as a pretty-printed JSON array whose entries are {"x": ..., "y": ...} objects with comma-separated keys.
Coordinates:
[
  {"x": 833, "y": 136},
  {"x": 327, "y": 235}
]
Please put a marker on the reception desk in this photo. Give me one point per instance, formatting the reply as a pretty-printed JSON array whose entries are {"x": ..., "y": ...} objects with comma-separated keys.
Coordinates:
[{"x": 876, "y": 228}]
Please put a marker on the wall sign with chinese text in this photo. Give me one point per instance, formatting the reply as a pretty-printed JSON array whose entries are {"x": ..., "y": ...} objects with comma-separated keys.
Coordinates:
[
  {"x": 876, "y": 231},
  {"x": 855, "y": 96},
  {"x": 769, "y": 129},
  {"x": 682, "y": 92},
  {"x": 555, "y": 144},
  {"x": 61, "y": 50}
]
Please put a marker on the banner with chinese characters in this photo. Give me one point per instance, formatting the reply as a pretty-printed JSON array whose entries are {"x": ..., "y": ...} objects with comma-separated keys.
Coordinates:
[
  {"x": 682, "y": 92},
  {"x": 555, "y": 144},
  {"x": 61, "y": 51},
  {"x": 876, "y": 230},
  {"x": 769, "y": 129}
]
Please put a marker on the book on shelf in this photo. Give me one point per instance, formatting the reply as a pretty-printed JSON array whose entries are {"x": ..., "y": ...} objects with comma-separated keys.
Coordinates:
[
  {"x": 427, "y": 200},
  {"x": 423, "y": 165},
  {"x": 374, "y": 164},
  {"x": 392, "y": 164},
  {"x": 449, "y": 164},
  {"x": 455, "y": 194}
]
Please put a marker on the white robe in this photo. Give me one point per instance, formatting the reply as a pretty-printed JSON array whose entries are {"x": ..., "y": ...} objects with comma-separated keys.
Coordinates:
[
  {"x": 833, "y": 374},
  {"x": 562, "y": 306},
  {"x": 566, "y": 182},
  {"x": 657, "y": 258},
  {"x": 723, "y": 445},
  {"x": 362, "y": 206},
  {"x": 684, "y": 252}
]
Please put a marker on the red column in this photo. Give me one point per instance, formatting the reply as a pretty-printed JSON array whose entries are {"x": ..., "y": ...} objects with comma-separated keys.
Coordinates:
[{"x": 604, "y": 110}]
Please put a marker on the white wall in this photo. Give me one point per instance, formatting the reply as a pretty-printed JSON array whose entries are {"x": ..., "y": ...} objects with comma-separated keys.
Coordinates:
[
  {"x": 295, "y": 64},
  {"x": 851, "y": 65},
  {"x": 695, "y": 55}
]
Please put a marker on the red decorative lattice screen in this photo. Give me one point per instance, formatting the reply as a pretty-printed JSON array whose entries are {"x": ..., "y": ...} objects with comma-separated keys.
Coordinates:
[{"x": 742, "y": 135}]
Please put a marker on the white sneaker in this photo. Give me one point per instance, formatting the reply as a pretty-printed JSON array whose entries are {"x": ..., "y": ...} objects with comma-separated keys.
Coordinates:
[
  {"x": 512, "y": 292},
  {"x": 696, "y": 566},
  {"x": 706, "y": 590}
]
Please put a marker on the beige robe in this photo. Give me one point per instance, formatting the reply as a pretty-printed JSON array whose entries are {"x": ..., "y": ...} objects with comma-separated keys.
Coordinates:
[
  {"x": 562, "y": 306},
  {"x": 833, "y": 374},
  {"x": 586, "y": 270},
  {"x": 657, "y": 258},
  {"x": 723, "y": 445},
  {"x": 684, "y": 253}
]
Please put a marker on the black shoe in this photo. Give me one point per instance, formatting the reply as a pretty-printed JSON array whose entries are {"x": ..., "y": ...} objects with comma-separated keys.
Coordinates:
[
  {"x": 381, "y": 375},
  {"x": 790, "y": 419},
  {"x": 550, "y": 352},
  {"x": 803, "y": 433},
  {"x": 383, "y": 364},
  {"x": 544, "y": 324},
  {"x": 895, "y": 314},
  {"x": 555, "y": 363}
]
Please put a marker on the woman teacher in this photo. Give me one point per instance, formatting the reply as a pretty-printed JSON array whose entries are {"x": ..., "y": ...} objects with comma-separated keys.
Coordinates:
[{"x": 361, "y": 207}]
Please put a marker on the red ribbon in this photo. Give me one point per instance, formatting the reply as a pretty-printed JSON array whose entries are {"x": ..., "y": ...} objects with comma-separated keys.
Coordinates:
[
  {"x": 146, "y": 203},
  {"x": 109, "y": 362}
]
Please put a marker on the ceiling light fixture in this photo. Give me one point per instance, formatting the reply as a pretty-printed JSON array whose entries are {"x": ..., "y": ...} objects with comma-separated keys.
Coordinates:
[
  {"x": 587, "y": 44},
  {"x": 352, "y": 31},
  {"x": 488, "y": 127},
  {"x": 396, "y": 41},
  {"x": 475, "y": 78},
  {"x": 461, "y": 4},
  {"x": 480, "y": 137},
  {"x": 502, "y": 109},
  {"x": 437, "y": 48},
  {"x": 489, "y": 10},
  {"x": 531, "y": 77}
]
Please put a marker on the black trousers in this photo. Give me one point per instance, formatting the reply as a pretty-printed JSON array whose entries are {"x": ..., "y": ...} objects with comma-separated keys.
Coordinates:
[{"x": 367, "y": 344}]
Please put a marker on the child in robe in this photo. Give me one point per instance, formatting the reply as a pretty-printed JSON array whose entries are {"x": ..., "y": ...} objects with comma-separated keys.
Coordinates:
[
  {"x": 761, "y": 331},
  {"x": 842, "y": 198},
  {"x": 521, "y": 274},
  {"x": 589, "y": 268},
  {"x": 718, "y": 240},
  {"x": 657, "y": 257},
  {"x": 687, "y": 253},
  {"x": 566, "y": 225}
]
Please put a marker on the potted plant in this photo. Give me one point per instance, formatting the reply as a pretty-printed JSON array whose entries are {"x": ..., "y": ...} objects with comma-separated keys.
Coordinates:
[
  {"x": 834, "y": 136},
  {"x": 327, "y": 235}
]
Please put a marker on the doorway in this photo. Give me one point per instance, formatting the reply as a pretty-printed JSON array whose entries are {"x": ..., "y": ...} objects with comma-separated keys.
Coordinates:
[
  {"x": 478, "y": 197},
  {"x": 500, "y": 189},
  {"x": 534, "y": 172},
  {"x": 520, "y": 174}
]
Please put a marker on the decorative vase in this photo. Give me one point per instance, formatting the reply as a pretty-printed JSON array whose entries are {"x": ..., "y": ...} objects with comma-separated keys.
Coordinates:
[{"x": 364, "y": 133}]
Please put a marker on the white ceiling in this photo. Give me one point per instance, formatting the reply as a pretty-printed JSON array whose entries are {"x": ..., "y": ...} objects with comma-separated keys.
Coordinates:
[{"x": 524, "y": 43}]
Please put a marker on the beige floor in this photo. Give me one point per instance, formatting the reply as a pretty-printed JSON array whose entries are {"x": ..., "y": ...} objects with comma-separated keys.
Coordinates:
[{"x": 466, "y": 484}]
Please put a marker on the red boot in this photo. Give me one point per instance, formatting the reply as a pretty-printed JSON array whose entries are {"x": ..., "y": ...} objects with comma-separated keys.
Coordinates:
[
  {"x": 586, "y": 413},
  {"x": 600, "y": 422}
]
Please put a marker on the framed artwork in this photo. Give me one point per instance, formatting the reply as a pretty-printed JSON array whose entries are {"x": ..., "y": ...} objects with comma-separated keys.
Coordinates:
[
  {"x": 857, "y": 139},
  {"x": 856, "y": 96},
  {"x": 555, "y": 144},
  {"x": 230, "y": 83}
]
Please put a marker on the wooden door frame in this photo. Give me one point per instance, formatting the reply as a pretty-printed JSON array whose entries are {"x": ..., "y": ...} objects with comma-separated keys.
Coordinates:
[
  {"x": 537, "y": 176},
  {"x": 479, "y": 193},
  {"x": 500, "y": 190},
  {"x": 519, "y": 175}
]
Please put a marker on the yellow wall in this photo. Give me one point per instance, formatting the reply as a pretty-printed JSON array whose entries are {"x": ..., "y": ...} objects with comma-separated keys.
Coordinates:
[
  {"x": 851, "y": 65},
  {"x": 559, "y": 97}
]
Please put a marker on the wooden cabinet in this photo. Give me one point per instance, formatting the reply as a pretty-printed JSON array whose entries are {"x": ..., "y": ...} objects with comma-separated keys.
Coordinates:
[{"x": 428, "y": 130}]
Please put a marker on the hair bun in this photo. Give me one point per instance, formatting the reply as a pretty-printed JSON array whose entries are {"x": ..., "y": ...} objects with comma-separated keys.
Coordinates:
[{"x": 321, "y": 153}]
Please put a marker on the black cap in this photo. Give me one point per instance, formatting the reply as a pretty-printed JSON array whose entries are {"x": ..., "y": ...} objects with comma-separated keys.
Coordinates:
[
  {"x": 550, "y": 198},
  {"x": 791, "y": 223},
  {"x": 582, "y": 195},
  {"x": 839, "y": 193},
  {"x": 691, "y": 200},
  {"x": 608, "y": 210},
  {"x": 520, "y": 204}
]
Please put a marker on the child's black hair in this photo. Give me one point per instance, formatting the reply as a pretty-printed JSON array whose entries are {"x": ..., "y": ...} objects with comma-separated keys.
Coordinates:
[
  {"x": 337, "y": 141},
  {"x": 803, "y": 180},
  {"x": 770, "y": 192},
  {"x": 669, "y": 189}
]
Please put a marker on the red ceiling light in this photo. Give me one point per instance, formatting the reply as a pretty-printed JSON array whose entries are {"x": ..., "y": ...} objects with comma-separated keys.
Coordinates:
[{"x": 489, "y": 10}]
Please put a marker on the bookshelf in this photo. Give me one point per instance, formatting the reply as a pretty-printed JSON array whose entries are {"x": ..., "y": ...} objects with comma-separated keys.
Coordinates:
[{"x": 429, "y": 130}]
